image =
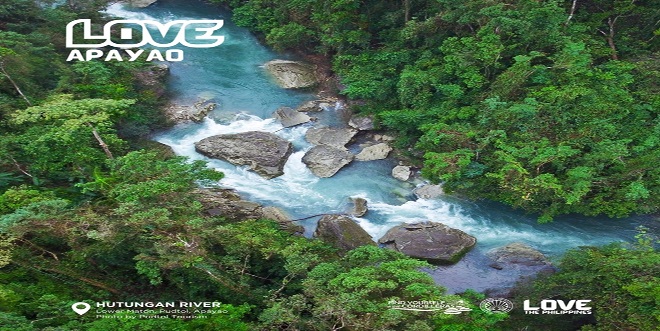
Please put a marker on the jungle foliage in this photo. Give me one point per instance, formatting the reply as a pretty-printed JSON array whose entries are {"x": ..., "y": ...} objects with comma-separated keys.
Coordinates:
[
  {"x": 548, "y": 106},
  {"x": 620, "y": 279}
]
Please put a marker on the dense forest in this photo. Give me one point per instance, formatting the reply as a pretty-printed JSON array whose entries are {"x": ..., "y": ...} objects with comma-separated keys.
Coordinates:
[{"x": 548, "y": 106}]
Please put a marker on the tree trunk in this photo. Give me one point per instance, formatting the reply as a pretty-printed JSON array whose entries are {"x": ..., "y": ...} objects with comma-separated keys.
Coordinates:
[
  {"x": 4, "y": 72},
  {"x": 406, "y": 6},
  {"x": 610, "y": 36},
  {"x": 570, "y": 15},
  {"x": 101, "y": 142}
]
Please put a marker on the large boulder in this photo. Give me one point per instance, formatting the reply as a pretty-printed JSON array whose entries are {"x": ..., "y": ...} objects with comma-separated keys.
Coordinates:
[
  {"x": 342, "y": 232},
  {"x": 231, "y": 206},
  {"x": 362, "y": 123},
  {"x": 401, "y": 173},
  {"x": 521, "y": 263},
  {"x": 289, "y": 117},
  {"x": 185, "y": 113},
  {"x": 434, "y": 242},
  {"x": 325, "y": 161},
  {"x": 517, "y": 254},
  {"x": 292, "y": 74},
  {"x": 383, "y": 138},
  {"x": 359, "y": 207},
  {"x": 282, "y": 218},
  {"x": 429, "y": 191},
  {"x": 333, "y": 137},
  {"x": 265, "y": 153},
  {"x": 375, "y": 152},
  {"x": 311, "y": 106},
  {"x": 227, "y": 203}
]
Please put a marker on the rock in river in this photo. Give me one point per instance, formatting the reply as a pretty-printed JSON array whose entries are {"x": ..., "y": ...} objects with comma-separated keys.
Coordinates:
[
  {"x": 362, "y": 123},
  {"x": 517, "y": 254},
  {"x": 310, "y": 106},
  {"x": 184, "y": 113},
  {"x": 227, "y": 203},
  {"x": 429, "y": 191},
  {"x": 282, "y": 218},
  {"x": 333, "y": 137},
  {"x": 375, "y": 152},
  {"x": 325, "y": 161},
  {"x": 265, "y": 153},
  {"x": 359, "y": 207},
  {"x": 292, "y": 74},
  {"x": 434, "y": 242},
  {"x": 289, "y": 117},
  {"x": 342, "y": 232},
  {"x": 401, "y": 173}
]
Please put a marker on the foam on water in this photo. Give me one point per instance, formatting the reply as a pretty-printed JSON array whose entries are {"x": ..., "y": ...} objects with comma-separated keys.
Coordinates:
[
  {"x": 293, "y": 190},
  {"x": 303, "y": 194},
  {"x": 118, "y": 9}
]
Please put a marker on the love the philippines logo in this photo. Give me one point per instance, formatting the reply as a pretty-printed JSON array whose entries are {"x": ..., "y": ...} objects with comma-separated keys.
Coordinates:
[{"x": 134, "y": 34}]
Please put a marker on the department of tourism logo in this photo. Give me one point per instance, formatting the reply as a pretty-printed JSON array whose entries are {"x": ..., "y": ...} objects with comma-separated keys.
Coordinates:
[
  {"x": 138, "y": 33},
  {"x": 496, "y": 305},
  {"x": 452, "y": 308},
  {"x": 557, "y": 307}
]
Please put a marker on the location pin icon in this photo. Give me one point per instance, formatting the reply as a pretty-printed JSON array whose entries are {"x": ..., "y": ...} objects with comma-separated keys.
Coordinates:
[{"x": 80, "y": 307}]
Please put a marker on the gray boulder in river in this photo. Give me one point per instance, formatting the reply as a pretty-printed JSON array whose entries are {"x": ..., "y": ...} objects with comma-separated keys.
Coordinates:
[
  {"x": 311, "y": 106},
  {"x": 289, "y": 117},
  {"x": 342, "y": 232},
  {"x": 292, "y": 74},
  {"x": 429, "y": 191},
  {"x": 265, "y": 153},
  {"x": 431, "y": 241},
  {"x": 333, "y": 137},
  {"x": 401, "y": 173},
  {"x": 374, "y": 152},
  {"x": 185, "y": 113},
  {"x": 359, "y": 207},
  {"x": 325, "y": 161},
  {"x": 517, "y": 254},
  {"x": 362, "y": 123}
]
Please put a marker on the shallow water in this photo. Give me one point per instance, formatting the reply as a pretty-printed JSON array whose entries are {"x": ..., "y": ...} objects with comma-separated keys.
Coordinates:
[{"x": 232, "y": 76}]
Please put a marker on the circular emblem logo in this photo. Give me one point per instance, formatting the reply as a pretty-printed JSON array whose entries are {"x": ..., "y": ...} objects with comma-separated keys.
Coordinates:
[{"x": 496, "y": 305}]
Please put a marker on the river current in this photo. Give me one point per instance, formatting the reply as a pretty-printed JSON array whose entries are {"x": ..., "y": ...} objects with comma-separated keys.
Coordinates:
[{"x": 232, "y": 75}]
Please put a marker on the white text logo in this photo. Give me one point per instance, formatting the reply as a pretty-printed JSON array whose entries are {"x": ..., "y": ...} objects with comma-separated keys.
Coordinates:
[
  {"x": 188, "y": 33},
  {"x": 452, "y": 308},
  {"x": 558, "y": 307}
]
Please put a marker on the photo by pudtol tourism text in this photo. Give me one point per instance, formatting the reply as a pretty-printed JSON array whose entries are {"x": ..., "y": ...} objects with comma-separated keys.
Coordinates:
[{"x": 329, "y": 165}]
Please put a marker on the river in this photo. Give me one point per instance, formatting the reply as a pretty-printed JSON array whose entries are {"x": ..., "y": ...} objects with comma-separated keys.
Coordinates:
[{"x": 232, "y": 76}]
